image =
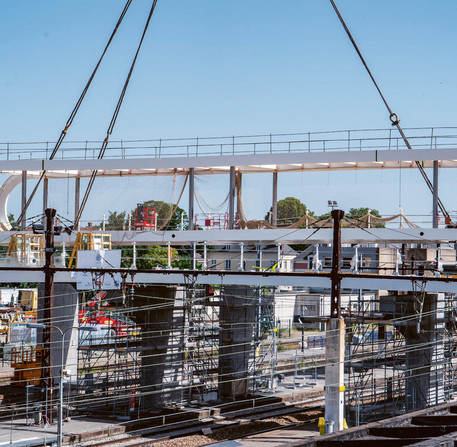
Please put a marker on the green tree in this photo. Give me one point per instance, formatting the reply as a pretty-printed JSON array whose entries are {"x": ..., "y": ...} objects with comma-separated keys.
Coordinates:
[
  {"x": 12, "y": 219},
  {"x": 147, "y": 256},
  {"x": 290, "y": 210},
  {"x": 355, "y": 213},
  {"x": 115, "y": 220}
]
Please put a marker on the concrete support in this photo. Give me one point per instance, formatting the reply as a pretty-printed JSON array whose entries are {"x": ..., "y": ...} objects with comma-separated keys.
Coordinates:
[
  {"x": 24, "y": 200},
  {"x": 191, "y": 197},
  {"x": 231, "y": 222},
  {"x": 77, "y": 191},
  {"x": 334, "y": 375},
  {"x": 435, "y": 194},
  {"x": 274, "y": 212},
  {"x": 162, "y": 354},
  {"x": 237, "y": 321},
  {"x": 425, "y": 352}
]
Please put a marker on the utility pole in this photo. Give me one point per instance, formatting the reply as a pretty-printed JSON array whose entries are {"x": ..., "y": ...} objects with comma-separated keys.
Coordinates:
[
  {"x": 335, "y": 338},
  {"x": 48, "y": 302}
]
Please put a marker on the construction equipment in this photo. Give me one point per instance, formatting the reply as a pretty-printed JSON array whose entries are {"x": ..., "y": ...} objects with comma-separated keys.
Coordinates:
[
  {"x": 26, "y": 249},
  {"x": 145, "y": 217},
  {"x": 27, "y": 364},
  {"x": 89, "y": 241}
]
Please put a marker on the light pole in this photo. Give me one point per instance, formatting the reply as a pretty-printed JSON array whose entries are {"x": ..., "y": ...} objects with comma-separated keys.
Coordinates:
[{"x": 62, "y": 371}]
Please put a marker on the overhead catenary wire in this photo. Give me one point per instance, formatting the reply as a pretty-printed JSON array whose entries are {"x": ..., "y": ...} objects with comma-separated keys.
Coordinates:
[
  {"x": 114, "y": 117},
  {"x": 393, "y": 116},
  {"x": 72, "y": 116}
]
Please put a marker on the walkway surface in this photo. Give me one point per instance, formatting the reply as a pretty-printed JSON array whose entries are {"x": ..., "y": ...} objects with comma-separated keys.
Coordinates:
[
  {"x": 18, "y": 433},
  {"x": 274, "y": 438}
]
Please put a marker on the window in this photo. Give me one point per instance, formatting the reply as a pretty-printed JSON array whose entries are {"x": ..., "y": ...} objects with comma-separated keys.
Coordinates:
[
  {"x": 346, "y": 263},
  {"x": 213, "y": 263},
  {"x": 272, "y": 264},
  {"x": 228, "y": 264},
  {"x": 327, "y": 263}
]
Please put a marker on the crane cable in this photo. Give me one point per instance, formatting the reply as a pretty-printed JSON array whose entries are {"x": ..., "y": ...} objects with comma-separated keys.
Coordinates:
[
  {"x": 113, "y": 119},
  {"x": 393, "y": 116},
  {"x": 75, "y": 110}
]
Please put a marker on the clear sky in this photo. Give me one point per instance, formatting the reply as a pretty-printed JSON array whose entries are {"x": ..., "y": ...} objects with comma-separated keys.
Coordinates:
[{"x": 238, "y": 67}]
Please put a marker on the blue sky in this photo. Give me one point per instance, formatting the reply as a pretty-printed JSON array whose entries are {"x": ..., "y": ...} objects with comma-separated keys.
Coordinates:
[{"x": 219, "y": 67}]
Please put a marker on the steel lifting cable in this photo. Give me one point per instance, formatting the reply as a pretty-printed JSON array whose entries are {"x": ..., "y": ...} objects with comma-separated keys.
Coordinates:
[
  {"x": 114, "y": 118},
  {"x": 393, "y": 116},
  {"x": 69, "y": 122}
]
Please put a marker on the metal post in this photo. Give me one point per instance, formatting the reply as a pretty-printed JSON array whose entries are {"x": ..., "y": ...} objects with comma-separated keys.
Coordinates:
[
  {"x": 191, "y": 197},
  {"x": 435, "y": 193},
  {"x": 194, "y": 256},
  {"x": 232, "y": 198},
  {"x": 27, "y": 404},
  {"x": 274, "y": 216},
  {"x": 335, "y": 339},
  {"x": 296, "y": 366},
  {"x": 60, "y": 419},
  {"x": 241, "y": 269},
  {"x": 134, "y": 255},
  {"x": 335, "y": 310},
  {"x": 278, "y": 265},
  {"x": 168, "y": 255},
  {"x": 77, "y": 198},
  {"x": 24, "y": 200},
  {"x": 104, "y": 222},
  {"x": 48, "y": 304},
  {"x": 205, "y": 262},
  {"x": 130, "y": 222}
]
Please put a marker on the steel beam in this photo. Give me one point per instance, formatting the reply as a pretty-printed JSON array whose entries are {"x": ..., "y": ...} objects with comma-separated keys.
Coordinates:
[
  {"x": 435, "y": 194},
  {"x": 191, "y": 197},
  {"x": 232, "y": 198},
  {"x": 274, "y": 210},
  {"x": 24, "y": 199}
]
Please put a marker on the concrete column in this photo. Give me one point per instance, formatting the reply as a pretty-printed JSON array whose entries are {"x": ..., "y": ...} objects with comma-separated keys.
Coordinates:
[
  {"x": 232, "y": 198},
  {"x": 237, "y": 329},
  {"x": 24, "y": 199},
  {"x": 274, "y": 212},
  {"x": 191, "y": 197},
  {"x": 334, "y": 375},
  {"x": 435, "y": 194},
  {"x": 77, "y": 191}
]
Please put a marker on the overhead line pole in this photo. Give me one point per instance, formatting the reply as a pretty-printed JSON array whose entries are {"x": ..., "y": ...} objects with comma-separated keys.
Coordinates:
[
  {"x": 48, "y": 302},
  {"x": 335, "y": 339}
]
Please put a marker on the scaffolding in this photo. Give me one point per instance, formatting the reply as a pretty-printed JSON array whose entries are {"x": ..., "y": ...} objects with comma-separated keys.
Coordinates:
[
  {"x": 402, "y": 362},
  {"x": 109, "y": 365}
]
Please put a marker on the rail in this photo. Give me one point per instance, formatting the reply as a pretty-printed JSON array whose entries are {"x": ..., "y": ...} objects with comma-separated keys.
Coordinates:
[{"x": 312, "y": 142}]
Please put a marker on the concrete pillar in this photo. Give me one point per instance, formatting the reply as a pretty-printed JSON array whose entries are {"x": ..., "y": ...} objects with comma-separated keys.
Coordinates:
[
  {"x": 232, "y": 198},
  {"x": 425, "y": 352},
  {"x": 237, "y": 321},
  {"x": 334, "y": 374},
  {"x": 24, "y": 200},
  {"x": 435, "y": 194},
  {"x": 77, "y": 191},
  {"x": 274, "y": 212},
  {"x": 191, "y": 197},
  {"x": 161, "y": 316}
]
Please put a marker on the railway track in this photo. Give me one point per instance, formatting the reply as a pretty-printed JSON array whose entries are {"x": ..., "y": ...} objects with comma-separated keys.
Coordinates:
[{"x": 150, "y": 436}]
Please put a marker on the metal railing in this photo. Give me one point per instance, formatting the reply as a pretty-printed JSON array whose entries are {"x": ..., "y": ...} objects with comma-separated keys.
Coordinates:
[{"x": 331, "y": 141}]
